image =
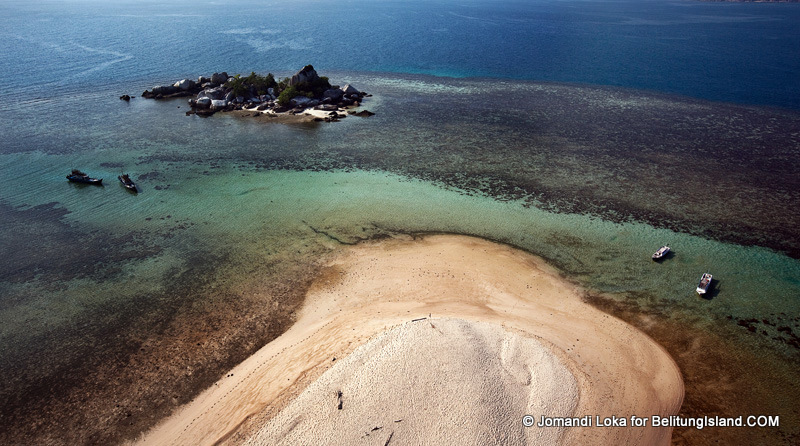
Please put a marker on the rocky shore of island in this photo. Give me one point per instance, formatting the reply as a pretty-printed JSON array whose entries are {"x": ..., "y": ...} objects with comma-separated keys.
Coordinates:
[{"x": 304, "y": 93}]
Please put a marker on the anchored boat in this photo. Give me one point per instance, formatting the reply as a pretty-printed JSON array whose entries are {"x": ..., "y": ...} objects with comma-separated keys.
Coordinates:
[
  {"x": 662, "y": 251},
  {"x": 127, "y": 182},
  {"x": 79, "y": 177},
  {"x": 705, "y": 283}
]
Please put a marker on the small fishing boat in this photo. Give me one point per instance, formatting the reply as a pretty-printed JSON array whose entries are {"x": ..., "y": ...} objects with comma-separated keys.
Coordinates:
[
  {"x": 662, "y": 251},
  {"x": 127, "y": 182},
  {"x": 79, "y": 177},
  {"x": 705, "y": 283}
]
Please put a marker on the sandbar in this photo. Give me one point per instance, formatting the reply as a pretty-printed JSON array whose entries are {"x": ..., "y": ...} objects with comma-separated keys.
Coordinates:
[{"x": 423, "y": 304}]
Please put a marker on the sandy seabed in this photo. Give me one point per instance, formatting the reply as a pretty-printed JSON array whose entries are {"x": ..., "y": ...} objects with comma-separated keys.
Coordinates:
[{"x": 440, "y": 339}]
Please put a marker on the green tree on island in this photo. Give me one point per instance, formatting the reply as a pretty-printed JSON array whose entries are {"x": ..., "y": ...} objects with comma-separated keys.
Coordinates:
[{"x": 254, "y": 84}]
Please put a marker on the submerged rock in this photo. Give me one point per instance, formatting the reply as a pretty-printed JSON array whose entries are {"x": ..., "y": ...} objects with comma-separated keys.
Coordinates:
[{"x": 164, "y": 89}]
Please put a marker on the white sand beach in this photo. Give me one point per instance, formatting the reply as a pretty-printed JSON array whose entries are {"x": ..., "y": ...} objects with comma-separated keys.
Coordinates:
[
  {"x": 308, "y": 115},
  {"x": 503, "y": 336},
  {"x": 433, "y": 381}
]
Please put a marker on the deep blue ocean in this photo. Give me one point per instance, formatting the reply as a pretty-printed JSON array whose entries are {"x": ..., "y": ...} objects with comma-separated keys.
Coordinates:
[
  {"x": 586, "y": 132},
  {"x": 738, "y": 52}
]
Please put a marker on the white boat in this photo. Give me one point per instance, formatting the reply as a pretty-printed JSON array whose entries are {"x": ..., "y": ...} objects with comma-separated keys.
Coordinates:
[
  {"x": 705, "y": 283},
  {"x": 662, "y": 251}
]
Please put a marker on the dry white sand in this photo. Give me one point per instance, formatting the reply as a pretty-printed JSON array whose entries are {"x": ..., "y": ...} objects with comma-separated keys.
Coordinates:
[
  {"x": 435, "y": 381},
  {"x": 374, "y": 287}
]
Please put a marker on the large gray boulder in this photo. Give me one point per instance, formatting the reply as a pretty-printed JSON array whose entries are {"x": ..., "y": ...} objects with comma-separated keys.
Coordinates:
[
  {"x": 334, "y": 94},
  {"x": 217, "y": 104},
  {"x": 215, "y": 93},
  {"x": 219, "y": 78},
  {"x": 203, "y": 102},
  {"x": 185, "y": 84},
  {"x": 307, "y": 75},
  {"x": 349, "y": 89},
  {"x": 230, "y": 96},
  {"x": 302, "y": 101},
  {"x": 202, "y": 80}
]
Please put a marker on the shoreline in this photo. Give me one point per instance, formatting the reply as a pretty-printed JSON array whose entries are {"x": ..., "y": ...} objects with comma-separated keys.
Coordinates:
[{"x": 462, "y": 277}]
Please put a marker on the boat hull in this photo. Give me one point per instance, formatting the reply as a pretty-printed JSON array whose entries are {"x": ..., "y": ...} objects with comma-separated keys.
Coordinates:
[
  {"x": 661, "y": 253},
  {"x": 84, "y": 180},
  {"x": 130, "y": 185},
  {"x": 705, "y": 284}
]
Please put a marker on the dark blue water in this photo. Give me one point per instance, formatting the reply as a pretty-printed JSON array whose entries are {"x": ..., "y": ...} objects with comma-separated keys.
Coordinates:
[{"x": 741, "y": 52}]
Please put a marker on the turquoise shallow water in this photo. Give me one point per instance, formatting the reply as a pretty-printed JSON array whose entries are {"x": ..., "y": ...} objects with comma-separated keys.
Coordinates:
[
  {"x": 242, "y": 209},
  {"x": 215, "y": 195}
]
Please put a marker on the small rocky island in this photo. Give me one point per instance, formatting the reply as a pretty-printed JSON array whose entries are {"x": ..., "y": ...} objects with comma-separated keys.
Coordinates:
[{"x": 306, "y": 94}]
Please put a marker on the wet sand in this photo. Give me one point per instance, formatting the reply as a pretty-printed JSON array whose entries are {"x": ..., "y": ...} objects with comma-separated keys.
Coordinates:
[{"x": 376, "y": 286}]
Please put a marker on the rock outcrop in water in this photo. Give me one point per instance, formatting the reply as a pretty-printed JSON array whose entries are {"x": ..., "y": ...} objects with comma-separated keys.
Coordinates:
[{"x": 221, "y": 92}]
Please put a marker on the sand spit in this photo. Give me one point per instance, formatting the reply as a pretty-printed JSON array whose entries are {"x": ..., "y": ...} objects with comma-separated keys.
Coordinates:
[{"x": 483, "y": 297}]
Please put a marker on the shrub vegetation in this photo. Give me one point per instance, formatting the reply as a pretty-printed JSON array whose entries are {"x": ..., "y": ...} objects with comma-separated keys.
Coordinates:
[
  {"x": 258, "y": 85},
  {"x": 253, "y": 84}
]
